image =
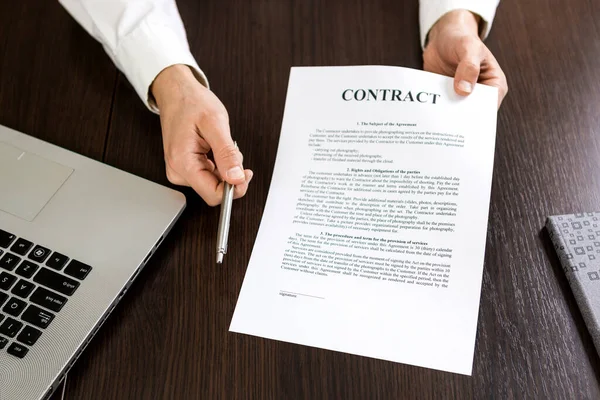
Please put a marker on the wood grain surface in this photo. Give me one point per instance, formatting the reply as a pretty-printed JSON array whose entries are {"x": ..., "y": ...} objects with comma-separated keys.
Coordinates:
[{"x": 169, "y": 339}]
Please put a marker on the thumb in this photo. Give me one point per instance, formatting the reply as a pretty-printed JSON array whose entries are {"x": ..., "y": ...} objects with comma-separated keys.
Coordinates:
[
  {"x": 229, "y": 162},
  {"x": 466, "y": 76},
  {"x": 226, "y": 154}
]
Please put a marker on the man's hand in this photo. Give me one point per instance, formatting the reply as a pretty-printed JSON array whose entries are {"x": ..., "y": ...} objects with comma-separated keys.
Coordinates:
[
  {"x": 455, "y": 49},
  {"x": 194, "y": 122}
]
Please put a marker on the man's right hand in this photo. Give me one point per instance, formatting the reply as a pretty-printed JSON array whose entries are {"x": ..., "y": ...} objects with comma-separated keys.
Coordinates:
[
  {"x": 455, "y": 49},
  {"x": 194, "y": 122}
]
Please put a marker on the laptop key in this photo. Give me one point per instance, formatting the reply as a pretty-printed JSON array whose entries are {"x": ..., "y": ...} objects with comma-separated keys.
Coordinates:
[
  {"x": 3, "y": 298},
  {"x": 38, "y": 317},
  {"x": 57, "y": 282},
  {"x": 17, "y": 350},
  {"x": 23, "y": 288},
  {"x": 1, "y": 317},
  {"x": 57, "y": 261},
  {"x": 6, "y": 238},
  {"x": 29, "y": 335},
  {"x": 9, "y": 261},
  {"x": 3, "y": 342},
  {"x": 77, "y": 269},
  {"x": 6, "y": 280},
  {"x": 21, "y": 246},
  {"x": 39, "y": 254},
  {"x": 47, "y": 299},
  {"x": 14, "y": 307},
  {"x": 27, "y": 269},
  {"x": 10, "y": 327}
]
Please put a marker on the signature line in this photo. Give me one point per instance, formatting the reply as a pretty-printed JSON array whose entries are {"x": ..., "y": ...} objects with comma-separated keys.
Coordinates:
[{"x": 302, "y": 294}]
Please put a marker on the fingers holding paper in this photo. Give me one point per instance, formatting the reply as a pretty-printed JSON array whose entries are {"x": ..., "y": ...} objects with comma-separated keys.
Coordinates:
[
  {"x": 194, "y": 122},
  {"x": 455, "y": 49}
]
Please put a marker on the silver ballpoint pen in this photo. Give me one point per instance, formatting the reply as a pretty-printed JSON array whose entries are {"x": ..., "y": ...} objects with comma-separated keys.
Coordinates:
[{"x": 224, "y": 220}]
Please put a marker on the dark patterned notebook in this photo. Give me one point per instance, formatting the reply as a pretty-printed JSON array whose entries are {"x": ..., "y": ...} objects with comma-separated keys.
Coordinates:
[{"x": 576, "y": 238}]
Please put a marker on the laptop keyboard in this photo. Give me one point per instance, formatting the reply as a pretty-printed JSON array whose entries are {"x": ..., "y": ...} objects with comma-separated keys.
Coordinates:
[{"x": 34, "y": 287}]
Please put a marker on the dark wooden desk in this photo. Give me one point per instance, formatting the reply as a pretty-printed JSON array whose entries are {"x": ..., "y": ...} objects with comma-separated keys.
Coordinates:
[{"x": 169, "y": 339}]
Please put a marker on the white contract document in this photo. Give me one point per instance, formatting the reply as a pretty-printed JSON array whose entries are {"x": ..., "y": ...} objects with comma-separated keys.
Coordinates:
[{"x": 373, "y": 235}]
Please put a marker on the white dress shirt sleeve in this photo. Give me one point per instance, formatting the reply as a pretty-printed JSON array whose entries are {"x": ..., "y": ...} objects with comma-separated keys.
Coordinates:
[
  {"x": 142, "y": 37},
  {"x": 430, "y": 11}
]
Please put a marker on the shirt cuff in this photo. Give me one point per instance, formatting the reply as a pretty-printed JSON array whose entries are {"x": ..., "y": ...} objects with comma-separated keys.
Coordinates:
[
  {"x": 432, "y": 10},
  {"x": 149, "y": 49}
]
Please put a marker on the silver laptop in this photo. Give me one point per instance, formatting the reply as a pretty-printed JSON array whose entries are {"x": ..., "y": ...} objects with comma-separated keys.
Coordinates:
[{"x": 74, "y": 234}]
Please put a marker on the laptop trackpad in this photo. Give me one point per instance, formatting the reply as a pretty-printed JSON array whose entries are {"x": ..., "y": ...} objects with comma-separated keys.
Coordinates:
[{"x": 27, "y": 181}]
